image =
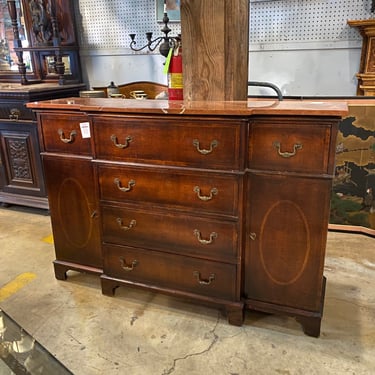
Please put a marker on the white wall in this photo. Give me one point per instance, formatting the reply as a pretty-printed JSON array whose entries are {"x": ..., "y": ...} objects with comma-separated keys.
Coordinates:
[
  {"x": 306, "y": 47},
  {"x": 99, "y": 70},
  {"x": 328, "y": 72},
  {"x": 296, "y": 73}
]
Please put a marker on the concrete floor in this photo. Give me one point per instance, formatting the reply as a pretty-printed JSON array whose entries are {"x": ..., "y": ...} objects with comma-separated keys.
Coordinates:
[{"x": 144, "y": 333}]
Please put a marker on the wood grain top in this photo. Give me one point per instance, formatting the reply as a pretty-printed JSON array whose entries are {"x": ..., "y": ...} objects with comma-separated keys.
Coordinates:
[{"x": 228, "y": 108}]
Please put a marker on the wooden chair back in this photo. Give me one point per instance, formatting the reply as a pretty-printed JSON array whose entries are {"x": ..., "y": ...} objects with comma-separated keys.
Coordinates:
[{"x": 152, "y": 89}]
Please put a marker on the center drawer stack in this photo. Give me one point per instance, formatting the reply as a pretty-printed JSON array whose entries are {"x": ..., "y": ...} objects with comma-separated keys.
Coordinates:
[{"x": 169, "y": 190}]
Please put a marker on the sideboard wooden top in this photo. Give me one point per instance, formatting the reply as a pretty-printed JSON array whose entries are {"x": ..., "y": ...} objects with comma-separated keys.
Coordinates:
[{"x": 229, "y": 108}]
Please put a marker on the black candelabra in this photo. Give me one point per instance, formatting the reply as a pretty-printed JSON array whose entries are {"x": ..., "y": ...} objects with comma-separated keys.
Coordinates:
[{"x": 166, "y": 42}]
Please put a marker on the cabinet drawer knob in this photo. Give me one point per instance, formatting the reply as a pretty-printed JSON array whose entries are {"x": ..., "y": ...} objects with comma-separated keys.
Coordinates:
[
  {"x": 128, "y": 139},
  {"x": 124, "y": 227},
  {"x": 201, "y": 281},
  {"x": 117, "y": 182},
  {"x": 286, "y": 154},
  {"x": 213, "y": 144},
  {"x": 71, "y": 138},
  {"x": 197, "y": 234},
  {"x": 253, "y": 236},
  {"x": 205, "y": 198},
  {"x": 126, "y": 267}
]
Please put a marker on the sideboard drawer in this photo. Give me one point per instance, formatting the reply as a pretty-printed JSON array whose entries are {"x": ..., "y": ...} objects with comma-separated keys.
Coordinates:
[
  {"x": 171, "y": 231},
  {"x": 208, "y": 192},
  {"x": 295, "y": 146},
  {"x": 63, "y": 134},
  {"x": 177, "y": 141},
  {"x": 175, "y": 272}
]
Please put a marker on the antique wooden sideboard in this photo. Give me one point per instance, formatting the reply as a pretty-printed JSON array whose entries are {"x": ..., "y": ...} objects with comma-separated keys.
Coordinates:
[{"x": 226, "y": 203}]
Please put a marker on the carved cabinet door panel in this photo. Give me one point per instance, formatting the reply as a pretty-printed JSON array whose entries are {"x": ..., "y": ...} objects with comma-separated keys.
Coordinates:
[
  {"x": 285, "y": 245},
  {"x": 20, "y": 164},
  {"x": 73, "y": 205}
]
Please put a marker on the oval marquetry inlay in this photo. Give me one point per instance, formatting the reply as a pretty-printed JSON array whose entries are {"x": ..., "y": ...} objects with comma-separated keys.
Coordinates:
[
  {"x": 284, "y": 252},
  {"x": 72, "y": 198}
]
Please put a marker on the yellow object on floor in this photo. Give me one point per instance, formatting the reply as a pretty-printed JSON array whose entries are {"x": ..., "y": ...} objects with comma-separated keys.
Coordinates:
[
  {"x": 48, "y": 239},
  {"x": 15, "y": 285}
]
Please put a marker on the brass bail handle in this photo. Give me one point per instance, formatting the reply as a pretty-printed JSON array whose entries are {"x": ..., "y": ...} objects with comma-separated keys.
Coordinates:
[
  {"x": 15, "y": 114},
  {"x": 71, "y": 138},
  {"x": 201, "y": 281},
  {"x": 205, "y": 198},
  {"x": 213, "y": 144},
  {"x": 128, "y": 139},
  {"x": 203, "y": 241},
  {"x": 286, "y": 154},
  {"x": 131, "y": 184},
  {"x": 131, "y": 225},
  {"x": 127, "y": 267}
]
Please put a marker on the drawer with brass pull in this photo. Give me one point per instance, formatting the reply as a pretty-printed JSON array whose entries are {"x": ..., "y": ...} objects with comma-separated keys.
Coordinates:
[
  {"x": 63, "y": 134},
  {"x": 208, "y": 192},
  {"x": 15, "y": 111},
  {"x": 174, "y": 272},
  {"x": 171, "y": 232},
  {"x": 285, "y": 145},
  {"x": 181, "y": 142}
]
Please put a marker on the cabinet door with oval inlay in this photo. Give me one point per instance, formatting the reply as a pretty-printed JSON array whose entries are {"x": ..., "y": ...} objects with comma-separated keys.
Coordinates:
[
  {"x": 74, "y": 216},
  {"x": 284, "y": 256}
]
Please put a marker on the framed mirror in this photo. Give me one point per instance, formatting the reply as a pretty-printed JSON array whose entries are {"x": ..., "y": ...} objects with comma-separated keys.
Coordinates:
[
  {"x": 8, "y": 57},
  {"x": 50, "y": 64},
  {"x": 38, "y": 42}
]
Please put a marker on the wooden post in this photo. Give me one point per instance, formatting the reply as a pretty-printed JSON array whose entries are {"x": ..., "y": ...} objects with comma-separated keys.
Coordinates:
[{"x": 215, "y": 49}]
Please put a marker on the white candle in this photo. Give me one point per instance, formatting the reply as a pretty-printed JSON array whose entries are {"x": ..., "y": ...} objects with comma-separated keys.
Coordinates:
[{"x": 165, "y": 6}]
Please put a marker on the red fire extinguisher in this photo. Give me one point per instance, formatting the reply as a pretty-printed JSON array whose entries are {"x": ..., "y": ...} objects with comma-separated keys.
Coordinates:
[{"x": 175, "y": 79}]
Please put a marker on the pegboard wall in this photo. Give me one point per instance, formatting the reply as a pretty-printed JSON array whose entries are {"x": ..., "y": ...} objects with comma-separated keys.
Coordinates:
[
  {"x": 301, "y": 21},
  {"x": 106, "y": 25}
]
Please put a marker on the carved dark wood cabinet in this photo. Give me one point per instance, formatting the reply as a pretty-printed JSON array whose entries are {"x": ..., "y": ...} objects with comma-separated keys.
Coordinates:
[
  {"x": 21, "y": 171},
  {"x": 39, "y": 42},
  {"x": 38, "y": 61}
]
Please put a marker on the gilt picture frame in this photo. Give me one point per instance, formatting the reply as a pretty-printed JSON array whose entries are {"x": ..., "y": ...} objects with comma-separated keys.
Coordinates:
[{"x": 172, "y": 8}]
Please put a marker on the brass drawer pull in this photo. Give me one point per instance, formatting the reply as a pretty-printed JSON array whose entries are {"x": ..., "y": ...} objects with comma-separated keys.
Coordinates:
[
  {"x": 128, "y": 139},
  {"x": 72, "y": 135},
  {"x": 197, "y": 275},
  {"x": 286, "y": 154},
  {"x": 205, "y": 198},
  {"x": 253, "y": 236},
  {"x": 197, "y": 233},
  {"x": 15, "y": 114},
  {"x": 124, "y": 227},
  {"x": 213, "y": 144},
  {"x": 127, "y": 268},
  {"x": 117, "y": 182}
]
